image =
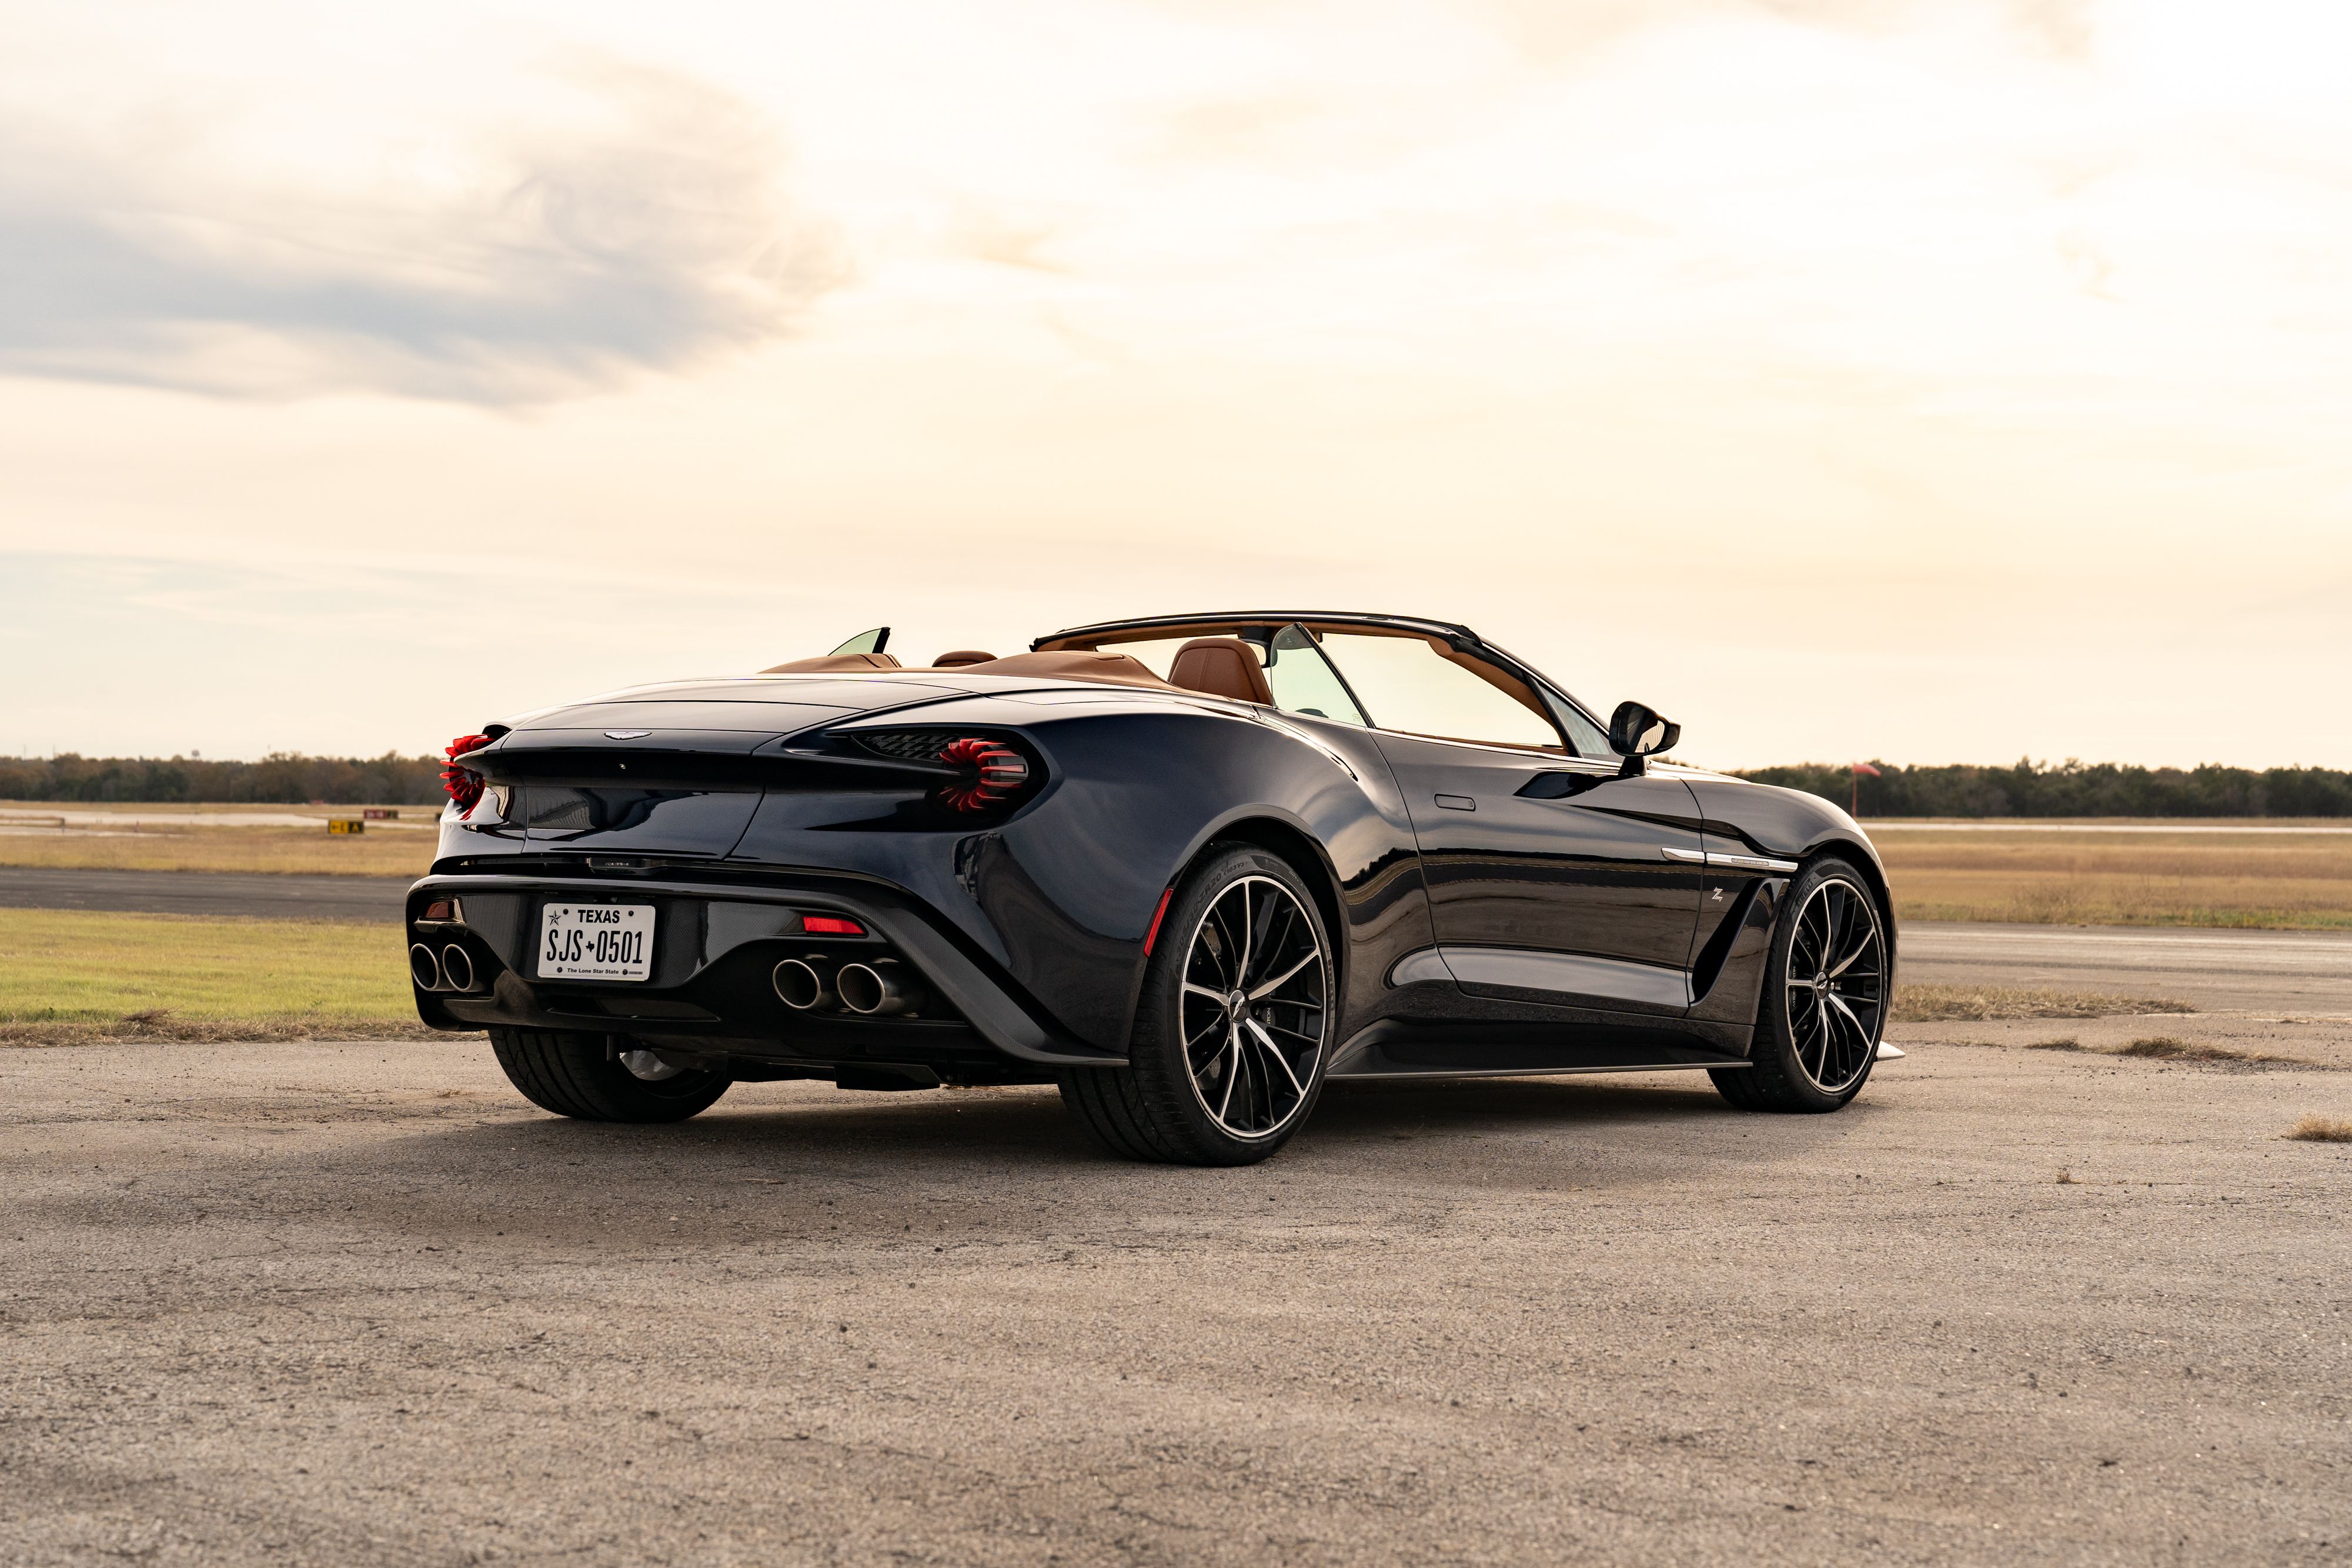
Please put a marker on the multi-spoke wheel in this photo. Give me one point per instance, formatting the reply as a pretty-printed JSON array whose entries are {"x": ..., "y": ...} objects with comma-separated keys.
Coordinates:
[
  {"x": 1825, "y": 998},
  {"x": 1234, "y": 1025},
  {"x": 583, "y": 1075}
]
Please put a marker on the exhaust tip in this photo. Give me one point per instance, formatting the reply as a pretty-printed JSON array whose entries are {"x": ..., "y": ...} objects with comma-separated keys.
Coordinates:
[
  {"x": 800, "y": 987},
  {"x": 424, "y": 968},
  {"x": 457, "y": 967},
  {"x": 882, "y": 987}
]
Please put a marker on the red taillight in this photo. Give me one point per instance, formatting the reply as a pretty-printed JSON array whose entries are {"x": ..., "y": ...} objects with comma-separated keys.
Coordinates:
[
  {"x": 830, "y": 925},
  {"x": 997, "y": 772},
  {"x": 465, "y": 784},
  {"x": 436, "y": 910}
]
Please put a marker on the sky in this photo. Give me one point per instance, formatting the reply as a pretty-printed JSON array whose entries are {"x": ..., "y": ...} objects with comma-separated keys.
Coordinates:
[{"x": 1886, "y": 379}]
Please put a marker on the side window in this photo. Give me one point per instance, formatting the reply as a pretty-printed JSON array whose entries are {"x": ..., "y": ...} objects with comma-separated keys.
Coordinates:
[
  {"x": 1406, "y": 685},
  {"x": 1588, "y": 739},
  {"x": 1304, "y": 681}
]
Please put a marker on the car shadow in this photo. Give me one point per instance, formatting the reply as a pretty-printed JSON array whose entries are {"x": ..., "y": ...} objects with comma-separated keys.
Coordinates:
[
  {"x": 773, "y": 1163},
  {"x": 965, "y": 1163}
]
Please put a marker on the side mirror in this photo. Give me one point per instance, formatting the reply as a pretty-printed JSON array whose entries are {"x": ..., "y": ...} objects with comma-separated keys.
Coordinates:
[{"x": 1636, "y": 732}]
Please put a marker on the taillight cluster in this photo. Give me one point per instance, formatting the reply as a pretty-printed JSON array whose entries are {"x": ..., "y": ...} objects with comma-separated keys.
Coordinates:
[
  {"x": 465, "y": 784},
  {"x": 998, "y": 772},
  {"x": 988, "y": 773}
]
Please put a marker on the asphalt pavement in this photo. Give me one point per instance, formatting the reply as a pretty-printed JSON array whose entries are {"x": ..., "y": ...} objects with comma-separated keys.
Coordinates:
[{"x": 359, "y": 1304}]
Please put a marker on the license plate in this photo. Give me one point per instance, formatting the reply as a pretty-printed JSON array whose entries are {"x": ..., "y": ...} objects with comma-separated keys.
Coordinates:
[{"x": 597, "y": 942}]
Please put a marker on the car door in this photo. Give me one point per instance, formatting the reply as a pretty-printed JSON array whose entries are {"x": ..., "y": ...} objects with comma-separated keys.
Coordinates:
[{"x": 1552, "y": 878}]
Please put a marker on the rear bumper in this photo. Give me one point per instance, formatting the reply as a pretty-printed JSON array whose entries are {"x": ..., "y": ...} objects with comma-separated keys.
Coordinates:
[{"x": 716, "y": 945}]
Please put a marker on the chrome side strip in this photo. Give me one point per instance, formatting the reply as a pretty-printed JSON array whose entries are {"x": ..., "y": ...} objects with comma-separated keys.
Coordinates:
[
  {"x": 1752, "y": 863},
  {"x": 1735, "y": 863}
]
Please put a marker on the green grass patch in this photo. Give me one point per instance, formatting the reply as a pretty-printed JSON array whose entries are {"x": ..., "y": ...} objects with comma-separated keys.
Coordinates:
[{"x": 70, "y": 974}]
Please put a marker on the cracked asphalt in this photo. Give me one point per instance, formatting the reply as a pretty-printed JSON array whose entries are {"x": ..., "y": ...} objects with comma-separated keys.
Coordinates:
[{"x": 358, "y": 1303}]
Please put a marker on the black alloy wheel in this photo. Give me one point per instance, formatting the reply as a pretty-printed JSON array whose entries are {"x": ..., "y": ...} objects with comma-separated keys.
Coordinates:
[
  {"x": 1232, "y": 1031},
  {"x": 601, "y": 1077},
  {"x": 1825, "y": 998}
]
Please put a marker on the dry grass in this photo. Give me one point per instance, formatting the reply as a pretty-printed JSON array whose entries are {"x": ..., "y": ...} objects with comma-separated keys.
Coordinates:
[
  {"x": 2321, "y": 1130},
  {"x": 71, "y": 976},
  {"x": 2270, "y": 881},
  {"x": 379, "y": 851},
  {"x": 158, "y": 1025},
  {"x": 2168, "y": 1048},
  {"x": 1973, "y": 1004}
]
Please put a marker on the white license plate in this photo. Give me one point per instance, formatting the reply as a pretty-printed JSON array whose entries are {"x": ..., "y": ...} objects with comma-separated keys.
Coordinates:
[{"x": 597, "y": 942}]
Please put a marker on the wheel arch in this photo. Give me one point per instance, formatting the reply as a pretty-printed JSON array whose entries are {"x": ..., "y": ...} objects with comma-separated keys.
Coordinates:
[
  {"x": 1297, "y": 848},
  {"x": 1863, "y": 861}
]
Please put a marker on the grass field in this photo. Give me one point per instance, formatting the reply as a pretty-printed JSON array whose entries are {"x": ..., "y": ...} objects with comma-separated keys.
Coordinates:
[
  {"x": 68, "y": 975},
  {"x": 72, "y": 975},
  {"x": 1982, "y": 871},
  {"x": 222, "y": 837},
  {"x": 2285, "y": 882}
]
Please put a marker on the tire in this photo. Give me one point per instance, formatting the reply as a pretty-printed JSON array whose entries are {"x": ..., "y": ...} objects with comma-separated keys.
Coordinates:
[
  {"x": 574, "y": 1075},
  {"x": 1212, "y": 1078},
  {"x": 1825, "y": 995}
]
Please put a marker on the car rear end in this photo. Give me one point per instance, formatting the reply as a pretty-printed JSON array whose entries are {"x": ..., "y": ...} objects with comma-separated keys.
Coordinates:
[{"x": 594, "y": 878}]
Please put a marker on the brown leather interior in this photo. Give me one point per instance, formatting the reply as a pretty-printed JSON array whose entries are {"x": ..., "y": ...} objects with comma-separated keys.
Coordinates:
[
  {"x": 961, "y": 657},
  {"x": 835, "y": 664},
  {"x": 1115, "y": 669},
  {"x": 1222, "y": 667}
]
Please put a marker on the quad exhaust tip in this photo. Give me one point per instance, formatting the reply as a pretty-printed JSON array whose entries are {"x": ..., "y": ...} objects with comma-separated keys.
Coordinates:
[
  {"x": 803, "y": 987},
  {"x": 451, "y": 969},
  {"x": 882, "y": 987}
]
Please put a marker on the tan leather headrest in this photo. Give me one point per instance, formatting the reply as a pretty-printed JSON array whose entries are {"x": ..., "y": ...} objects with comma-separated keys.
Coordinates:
[
  {"x": 835, "y": 664},
  {"x": 1072, "y": 665},
  {"x": 962, "y": 657},
  {"x": 1222, "y": 667}
]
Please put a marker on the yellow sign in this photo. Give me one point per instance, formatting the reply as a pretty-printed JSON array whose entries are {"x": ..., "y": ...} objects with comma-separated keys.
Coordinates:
[{"x": 346, "y": 825}]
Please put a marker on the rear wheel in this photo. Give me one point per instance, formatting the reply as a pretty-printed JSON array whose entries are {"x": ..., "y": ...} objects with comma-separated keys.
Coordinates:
[
  {"x": 1825, "y": 995},
  {"x": 1232, "y": 1029},
  {"x": 575, "y": 1075}
]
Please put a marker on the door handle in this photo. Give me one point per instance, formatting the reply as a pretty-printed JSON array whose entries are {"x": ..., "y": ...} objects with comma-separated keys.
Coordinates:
[
  {"x": 1716, "y": 857},
  {"x": 1457, "y": 802}
]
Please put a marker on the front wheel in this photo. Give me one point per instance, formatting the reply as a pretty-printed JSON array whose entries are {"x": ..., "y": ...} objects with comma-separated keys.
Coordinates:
[
  {"x": 1825, "y": 995},
  {"x": 1233, "y": 1027},
  {"x": 576, "y": 1075}
]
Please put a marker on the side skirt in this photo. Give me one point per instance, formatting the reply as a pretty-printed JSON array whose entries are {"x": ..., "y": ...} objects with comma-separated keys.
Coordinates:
[{"x": 1396, "y": 1047}]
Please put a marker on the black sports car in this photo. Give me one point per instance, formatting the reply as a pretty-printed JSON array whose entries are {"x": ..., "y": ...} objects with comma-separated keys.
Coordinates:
[{"x": 1188, "y": 868}]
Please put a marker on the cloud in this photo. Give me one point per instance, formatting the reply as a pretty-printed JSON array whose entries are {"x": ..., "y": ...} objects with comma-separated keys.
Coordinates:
[{"x": 650, "y": 232}]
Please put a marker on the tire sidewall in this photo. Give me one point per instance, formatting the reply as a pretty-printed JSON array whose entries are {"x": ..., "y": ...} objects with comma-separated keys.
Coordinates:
[
  {"x": 1156, "y": 1048},
  {"x": 665, "y": 1096},
  {"x": 1772, "y": 1033}
]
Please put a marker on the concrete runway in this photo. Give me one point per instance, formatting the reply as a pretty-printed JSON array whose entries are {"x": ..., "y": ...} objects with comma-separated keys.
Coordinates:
[
  {"x": 259, "y": 896},
  {"x": 2249, "y": 971},
  {"x": 359, "y": 1304}
]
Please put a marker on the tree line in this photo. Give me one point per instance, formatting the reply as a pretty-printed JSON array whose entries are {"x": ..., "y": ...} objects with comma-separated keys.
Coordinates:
[
  {"x": 2028, "y": 788},
  {"x": 2072, "y": 789},
  {"x": 282, "y": 778}
]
